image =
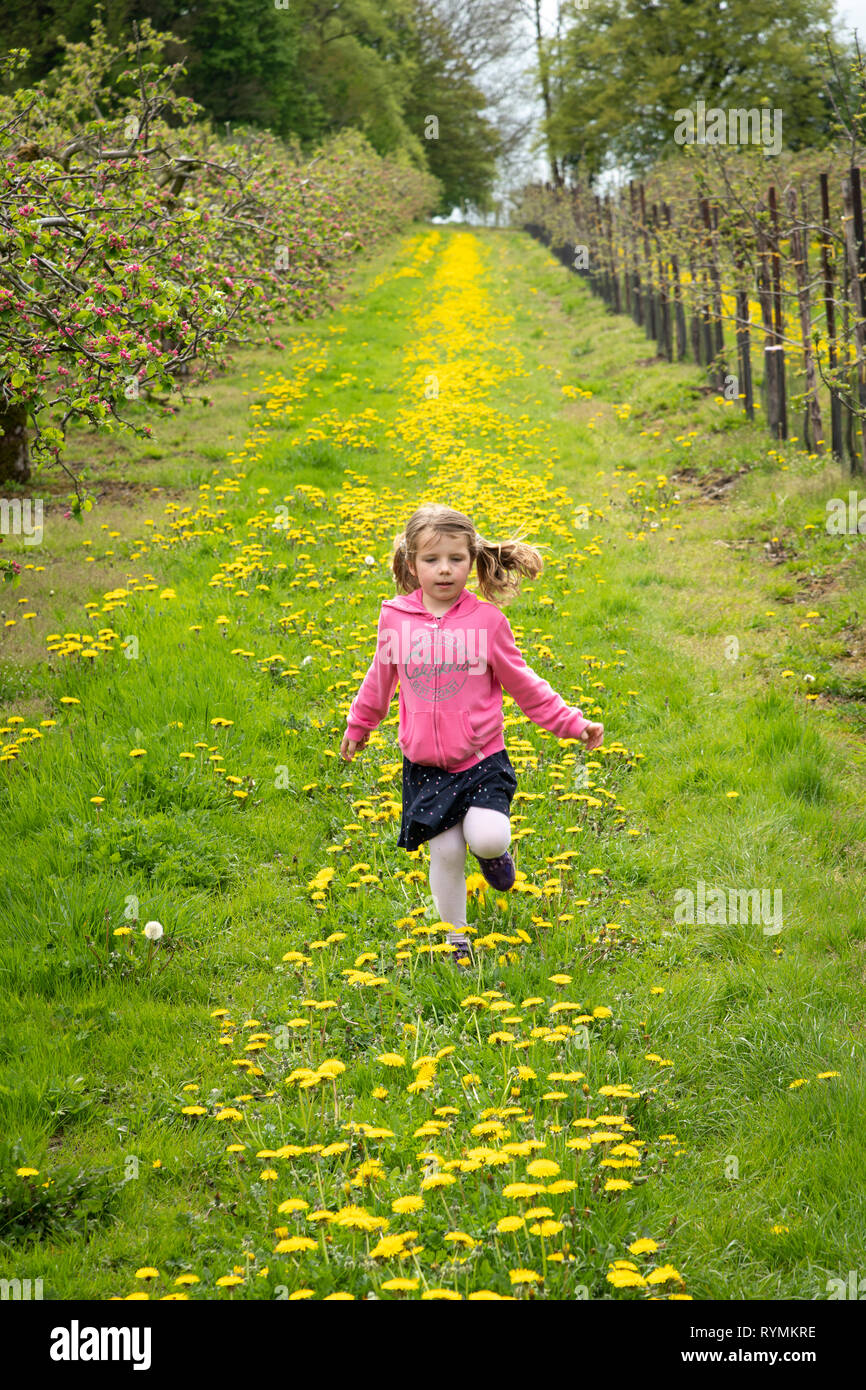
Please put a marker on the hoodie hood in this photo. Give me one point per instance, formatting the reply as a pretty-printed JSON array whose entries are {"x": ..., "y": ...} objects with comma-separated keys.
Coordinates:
[{"x": 414, "y": 603}]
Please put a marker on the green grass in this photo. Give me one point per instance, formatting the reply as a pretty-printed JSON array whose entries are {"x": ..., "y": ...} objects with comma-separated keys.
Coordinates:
[{"x": 676, "y": 637}]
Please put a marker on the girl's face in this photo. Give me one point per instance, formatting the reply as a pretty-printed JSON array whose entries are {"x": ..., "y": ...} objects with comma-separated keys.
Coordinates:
[{"x": 442, "y": 565}]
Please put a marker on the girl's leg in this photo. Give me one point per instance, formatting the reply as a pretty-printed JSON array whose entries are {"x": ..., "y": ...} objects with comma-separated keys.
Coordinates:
[
  {"x": 448, "y": 875},
  {"x": 487, "y": 832}
]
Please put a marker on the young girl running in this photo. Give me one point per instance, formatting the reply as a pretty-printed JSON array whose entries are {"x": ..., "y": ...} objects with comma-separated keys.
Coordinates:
[{"x": 454, "y": 655}]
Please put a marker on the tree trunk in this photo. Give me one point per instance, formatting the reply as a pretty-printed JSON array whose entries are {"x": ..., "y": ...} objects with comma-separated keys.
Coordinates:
[
  {"x": 546, "y": 97},
  {"x": 14, "y": 454}
]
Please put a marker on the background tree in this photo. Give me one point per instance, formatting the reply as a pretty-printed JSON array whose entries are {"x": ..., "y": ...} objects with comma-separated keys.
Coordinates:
[
  {"x": 623, "y": 67},
  {"x": 445, "y": 108},
  {"x": 317, "y": 67},
  {"x": 135, "y": 241},
  {"x": 543, "y": 52},
  {"x": 494, "y": 45}
]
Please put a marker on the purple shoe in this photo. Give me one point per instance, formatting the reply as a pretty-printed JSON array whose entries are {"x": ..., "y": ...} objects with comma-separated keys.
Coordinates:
[
  {"x": 500, "y": 872},
  {"x": 462, "y": 954}
]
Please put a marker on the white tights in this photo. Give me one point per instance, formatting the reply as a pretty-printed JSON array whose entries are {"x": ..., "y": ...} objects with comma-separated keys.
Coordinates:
[{"x": 488, "y": 834}]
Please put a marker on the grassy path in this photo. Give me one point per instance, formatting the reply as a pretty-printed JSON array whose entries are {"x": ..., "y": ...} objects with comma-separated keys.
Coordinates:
[{"x": 302, "y": 1097}]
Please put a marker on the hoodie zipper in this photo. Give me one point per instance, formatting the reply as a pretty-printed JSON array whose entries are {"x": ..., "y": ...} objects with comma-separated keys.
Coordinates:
[
  {"x": 436, "y": 742},
  {"x": 436, "y": 745}
]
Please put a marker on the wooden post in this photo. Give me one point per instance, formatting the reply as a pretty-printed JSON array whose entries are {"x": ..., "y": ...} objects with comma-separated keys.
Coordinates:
[
  {"x": 744, "y": 352},
  {"x": 707, "y": 336},
  {"x": 649, "y": 299},
  {"x": 598, "y": 250},
  {"x": 602, "y": 235},
  {"x": 695, "y": 324},
  {"x": 679, "y": 312},
  {"x": 850, "y": 201},
  {"x": 776, "y": 260},
  {"x": 707, "y": 349},
  {"x": 605, "y": 250},
  {"x": 717, "y": 291},
  {"x": 813, "y": 428},
  {"x": 772, "y": 402},
  {"x": 637, "y": 298},
  {"x": 597, "y": 253},
  {"x": 614, "y": 269},
  {"x": 830, "y": 310},
  {"x": 664, "y": 318},
  {"x": 626, "y": 272},
  {"x": 848, "y": 414},
  {"x": 710, "y": 277},
  {"x": 858, "y": 280},
  {"x": 575, "y": 218}
]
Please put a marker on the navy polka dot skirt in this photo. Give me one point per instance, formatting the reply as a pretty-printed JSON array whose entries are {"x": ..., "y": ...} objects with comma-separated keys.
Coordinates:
[{"x": 434, "y": 800}]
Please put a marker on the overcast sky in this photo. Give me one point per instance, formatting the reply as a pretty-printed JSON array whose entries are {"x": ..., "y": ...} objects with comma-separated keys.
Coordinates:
[{"x": 850, "y": 15}]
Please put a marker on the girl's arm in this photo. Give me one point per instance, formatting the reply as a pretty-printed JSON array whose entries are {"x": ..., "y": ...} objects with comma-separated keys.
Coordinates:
[
  {"x": 371, "y": 703},
  {"x": 538, "y": 700}
]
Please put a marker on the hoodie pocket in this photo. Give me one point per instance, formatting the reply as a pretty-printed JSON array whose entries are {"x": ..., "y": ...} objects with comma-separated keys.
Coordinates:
[{"x": 459, "y": 737}]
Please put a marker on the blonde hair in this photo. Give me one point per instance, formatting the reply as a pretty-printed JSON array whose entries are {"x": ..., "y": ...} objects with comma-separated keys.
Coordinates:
[{"x": 499, "y": 564}]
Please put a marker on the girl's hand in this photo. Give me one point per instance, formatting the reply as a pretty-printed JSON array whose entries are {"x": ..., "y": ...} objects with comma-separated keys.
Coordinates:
[
  {"x": 592, "y": 736},
  {"x": 348, "y": 747}
]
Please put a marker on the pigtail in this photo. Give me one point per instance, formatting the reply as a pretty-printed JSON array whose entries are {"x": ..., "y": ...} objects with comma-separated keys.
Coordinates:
[
  {"x": 403, "y": 576},
  {"x": 502, "y": 564}
]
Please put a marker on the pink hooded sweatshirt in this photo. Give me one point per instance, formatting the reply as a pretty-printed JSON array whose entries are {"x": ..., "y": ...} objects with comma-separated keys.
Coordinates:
[{"x": 452, "y": 672}]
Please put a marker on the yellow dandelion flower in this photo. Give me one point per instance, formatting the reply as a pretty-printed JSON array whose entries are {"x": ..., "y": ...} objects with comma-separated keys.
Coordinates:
[
  {"x": 407, "y": 1204},
  {"x": 509, "y": 1223},
  {"x": 542, "y": 1168},
  {"x": 663, "y": 1275},
  {"x": 626, "y": 1279},
  {"x": 547, "y": 1228},
  {"x": 522, "y": 1189}
]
